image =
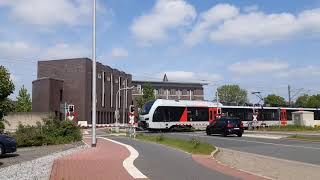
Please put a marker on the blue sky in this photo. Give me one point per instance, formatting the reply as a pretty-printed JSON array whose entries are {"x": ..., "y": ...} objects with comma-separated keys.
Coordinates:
[{"x": 257, "y": 44}]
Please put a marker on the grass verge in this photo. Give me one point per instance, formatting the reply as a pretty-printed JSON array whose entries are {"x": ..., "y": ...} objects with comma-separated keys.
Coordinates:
[
  {"x": 193, "y": 146},
  {"x": 304, "y": 138},
  {"x": 291, "y": 128}
]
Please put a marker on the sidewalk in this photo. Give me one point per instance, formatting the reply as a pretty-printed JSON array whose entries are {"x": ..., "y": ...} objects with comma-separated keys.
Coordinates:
[
  {"x": 103, "y": 162},
  {"x": 268, "y": 166}
]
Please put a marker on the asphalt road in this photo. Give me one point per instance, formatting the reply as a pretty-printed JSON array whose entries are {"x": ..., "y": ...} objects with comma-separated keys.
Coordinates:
[
  {"x": 302, "y": 151},
  {"x": 163, "y": 163}
]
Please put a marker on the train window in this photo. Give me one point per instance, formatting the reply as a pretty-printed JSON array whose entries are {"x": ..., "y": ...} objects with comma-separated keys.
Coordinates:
[
  {"x": 167, "y": 114},
  {"x": 146, "y": 108},
  {"x": 211, "y": 115},
  {"x": 198, "y": 114}
]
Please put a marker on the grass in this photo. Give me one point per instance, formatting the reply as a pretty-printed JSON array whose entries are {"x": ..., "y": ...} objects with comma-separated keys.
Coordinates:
[
  {"x": 305, "y": 138},
  {"x": 291, "y": 128},
  {"x": 193, "y": 146}
]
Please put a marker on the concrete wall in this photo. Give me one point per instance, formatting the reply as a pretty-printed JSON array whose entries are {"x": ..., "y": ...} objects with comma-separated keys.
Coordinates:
[{"x": 12, "y": 120}]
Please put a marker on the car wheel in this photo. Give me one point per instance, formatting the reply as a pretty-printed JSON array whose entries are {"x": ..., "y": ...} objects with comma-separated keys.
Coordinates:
[
  {"x": 239, "y": 134},
  {"x": 224, "y": 134},
  {"x": 208, "y": 131},
  {"x": 1, "y": 149}
]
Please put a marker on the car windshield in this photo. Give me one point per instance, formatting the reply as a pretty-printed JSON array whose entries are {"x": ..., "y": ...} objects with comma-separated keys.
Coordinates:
[{"x": 146, "y": 108}]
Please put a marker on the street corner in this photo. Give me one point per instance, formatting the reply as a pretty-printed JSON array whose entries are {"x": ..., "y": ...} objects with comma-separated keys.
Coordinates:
[{"x": 94, "y": 163}]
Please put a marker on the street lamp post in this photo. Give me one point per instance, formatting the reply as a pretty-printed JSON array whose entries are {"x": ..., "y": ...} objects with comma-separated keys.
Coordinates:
[
  {"x": 94, "y": 140},
  {"x": 117, "y": 107}
]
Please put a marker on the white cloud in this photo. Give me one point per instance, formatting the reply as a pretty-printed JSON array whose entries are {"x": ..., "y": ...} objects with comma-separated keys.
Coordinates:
[
  {"x": 259, "y": 27},
  {"x": 302, "y": 72},
  {"x": 49, "y": 12},
  {"x": 187, "y": 76},
  {"x": 255, "y": 67},
  {"x": 208, "y": 19},
  {"x": 16, "y": 50},
  {"x": 26, "y": 51},
  {"x": 165, "y": 16},
  {"x": 63, "y": 50},
  {"x": 119, "y": 53}
]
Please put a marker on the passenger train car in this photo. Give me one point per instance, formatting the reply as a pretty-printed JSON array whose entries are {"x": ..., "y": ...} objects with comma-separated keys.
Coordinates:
[{"x": 167, "y": 114}]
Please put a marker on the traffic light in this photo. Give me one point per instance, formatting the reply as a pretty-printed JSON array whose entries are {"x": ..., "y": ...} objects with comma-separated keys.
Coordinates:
[
  {"x": 71, "y": 108},
  {"x": 131, "y": 109}
]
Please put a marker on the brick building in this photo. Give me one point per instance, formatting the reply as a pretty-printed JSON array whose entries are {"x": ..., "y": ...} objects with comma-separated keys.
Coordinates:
[
  {"x": 170, "y": 90},
  {"x": 70, "y": 81}
]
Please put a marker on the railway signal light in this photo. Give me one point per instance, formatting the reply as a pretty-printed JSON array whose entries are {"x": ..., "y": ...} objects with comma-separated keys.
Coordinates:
[
  {"x": 131, "y": 109},
  {"x": 71, "y": 108}
]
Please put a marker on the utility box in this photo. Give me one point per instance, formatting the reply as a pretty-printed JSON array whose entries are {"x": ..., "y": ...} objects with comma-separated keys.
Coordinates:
[{"x": 303, "y": 118}]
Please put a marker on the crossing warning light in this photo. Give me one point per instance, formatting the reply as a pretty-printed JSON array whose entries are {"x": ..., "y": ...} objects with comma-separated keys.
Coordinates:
[
  {"x": 131, "y": 109},
  {"x": 71, "y": 108}
]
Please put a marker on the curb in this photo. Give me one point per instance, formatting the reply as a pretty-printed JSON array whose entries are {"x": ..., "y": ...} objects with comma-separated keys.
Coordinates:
[{"x": 215, "y": 152}]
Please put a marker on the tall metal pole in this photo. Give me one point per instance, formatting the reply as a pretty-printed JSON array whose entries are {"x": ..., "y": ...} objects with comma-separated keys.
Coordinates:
[
  {"x": 289, "y": 94},
  {"x": 94, "y": 140}
]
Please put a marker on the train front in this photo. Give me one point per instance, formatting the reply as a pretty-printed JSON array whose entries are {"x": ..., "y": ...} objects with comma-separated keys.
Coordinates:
[{"x": 144, "y": 115}]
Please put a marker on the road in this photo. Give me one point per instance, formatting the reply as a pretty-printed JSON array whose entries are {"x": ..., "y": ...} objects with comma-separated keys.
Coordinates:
[
  {"x": 159, "y": 162},
  {"x": 302, "y": 151}
]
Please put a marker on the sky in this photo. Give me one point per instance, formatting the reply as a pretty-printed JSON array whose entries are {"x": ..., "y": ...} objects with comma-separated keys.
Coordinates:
[{"x": 259, "y": 45}]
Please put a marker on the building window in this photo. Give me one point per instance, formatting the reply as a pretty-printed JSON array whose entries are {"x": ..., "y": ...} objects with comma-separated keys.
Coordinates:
[
  {"x": 61, "y": 95},
  {"x": 173, "y": 92},
  {"x": 184, "y": 92}
]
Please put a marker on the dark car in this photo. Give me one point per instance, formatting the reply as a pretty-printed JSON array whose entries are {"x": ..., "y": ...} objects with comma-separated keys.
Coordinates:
[
  {"x": 8, "y": 144},
  {"x": 225, "y": 126}
]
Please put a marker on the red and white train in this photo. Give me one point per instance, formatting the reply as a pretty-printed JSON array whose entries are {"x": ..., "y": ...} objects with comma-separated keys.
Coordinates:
[{"x": 166, "y": 114}]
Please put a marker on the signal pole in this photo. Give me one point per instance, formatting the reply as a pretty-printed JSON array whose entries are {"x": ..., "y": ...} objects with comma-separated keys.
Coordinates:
[
  {"x": 94, "y": 71},
  {"x": 289, "y": 94}
]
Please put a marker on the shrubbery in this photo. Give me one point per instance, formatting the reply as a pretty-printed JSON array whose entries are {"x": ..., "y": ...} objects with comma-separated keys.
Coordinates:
[{"x": 51, "y": 131}]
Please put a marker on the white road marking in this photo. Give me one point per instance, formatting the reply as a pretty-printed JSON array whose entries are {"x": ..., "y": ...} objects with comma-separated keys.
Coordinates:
[
  {"x": 128, "y": 163},
  {"x": 264, "y": 136},
  {"x": 257, "y": 142}
]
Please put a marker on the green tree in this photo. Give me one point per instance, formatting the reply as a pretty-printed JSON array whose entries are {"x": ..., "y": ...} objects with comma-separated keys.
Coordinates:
[
  {"x": 232, "y": 94},
  {"x": 148, "y": 95},
  {"x": 314, "y": 101},
  {"x": 273, "y": 99},
  {"x": 23, "y": 101},
  {"x": 302, "y": 101},
  {"x": 6, "y": 88},
  {"x": 6, "y": 85}
]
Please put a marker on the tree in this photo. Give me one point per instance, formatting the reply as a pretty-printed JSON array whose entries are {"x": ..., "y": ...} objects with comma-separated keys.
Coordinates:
[
  {"x": 23, "y": 101},
  {"x": 6, "y": 85},
  {"x": 273, "y": 99},
  {"x": 6, "y": 88},
  {"x": 148, "y": 95},
  {"x": 302, "y": 101},
  {"x": 314, "y": 101},
  {"x": 232, "y": 94}
]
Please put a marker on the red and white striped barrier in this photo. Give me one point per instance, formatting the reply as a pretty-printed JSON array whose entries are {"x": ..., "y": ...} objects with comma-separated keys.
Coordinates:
[{"x": 105, "y": 125}]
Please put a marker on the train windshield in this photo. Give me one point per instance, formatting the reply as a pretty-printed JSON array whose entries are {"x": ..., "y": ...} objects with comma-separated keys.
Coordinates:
[{"x": 146, "y": 108}]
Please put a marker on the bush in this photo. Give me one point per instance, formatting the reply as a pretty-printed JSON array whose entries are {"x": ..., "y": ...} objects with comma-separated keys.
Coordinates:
[
  {"x": 160, "y": 138},
  {"x": 195, "y": 142},
  {"x": 52, "y": 131}
]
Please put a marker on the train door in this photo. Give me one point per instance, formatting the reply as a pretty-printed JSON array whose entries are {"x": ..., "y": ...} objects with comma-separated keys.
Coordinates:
[
  {"x": 213, "y": 113},
  {"x": 283, "y": 117}
]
